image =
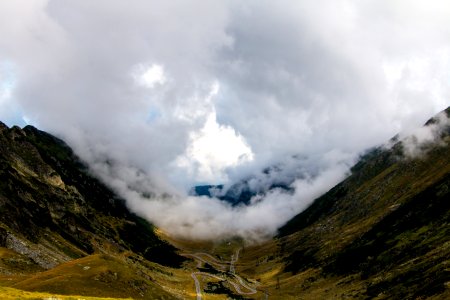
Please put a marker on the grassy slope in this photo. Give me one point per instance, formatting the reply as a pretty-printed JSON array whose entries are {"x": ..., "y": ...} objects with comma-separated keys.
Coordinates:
[
  {"x": 99, "y": 275},
  {"x": 381, "y": 233},
  {"x": 53, "y": 211},
  {"x": 15, "y": 294}
]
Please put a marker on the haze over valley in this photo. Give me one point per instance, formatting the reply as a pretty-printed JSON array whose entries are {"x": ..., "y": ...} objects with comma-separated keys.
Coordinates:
[{"x": 224, "y": 149}]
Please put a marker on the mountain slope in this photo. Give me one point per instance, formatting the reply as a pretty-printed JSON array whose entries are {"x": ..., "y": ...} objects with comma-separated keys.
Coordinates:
[
  {"x": 53, "y": 211},
  {"x": 382, "y": 233}
]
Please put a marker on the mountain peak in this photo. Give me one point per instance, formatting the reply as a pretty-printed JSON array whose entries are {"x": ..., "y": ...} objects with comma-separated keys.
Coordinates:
[
  {"x": 437, "y": 118},
  {"x": 3, "y": 126}
]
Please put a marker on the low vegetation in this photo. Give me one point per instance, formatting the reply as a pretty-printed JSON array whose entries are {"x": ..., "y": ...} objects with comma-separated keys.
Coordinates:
[{"x": 383, "y": 233}]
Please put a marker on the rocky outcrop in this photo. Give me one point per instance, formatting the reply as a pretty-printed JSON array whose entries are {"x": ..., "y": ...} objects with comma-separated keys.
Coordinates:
[{"x": 53, "y": 210}]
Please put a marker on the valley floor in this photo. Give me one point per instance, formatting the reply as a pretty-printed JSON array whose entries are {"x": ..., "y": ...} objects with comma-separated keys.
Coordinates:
[
  {"x": 226, "y": 270},
  {"x": 382, "y": 233}
]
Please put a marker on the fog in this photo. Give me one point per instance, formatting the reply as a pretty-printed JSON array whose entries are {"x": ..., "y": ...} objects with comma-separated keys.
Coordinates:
[{"x": 157, "y": 97}]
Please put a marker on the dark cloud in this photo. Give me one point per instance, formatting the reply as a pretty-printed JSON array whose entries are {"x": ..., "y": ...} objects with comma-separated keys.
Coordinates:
[{"x": 316, "y": 80}]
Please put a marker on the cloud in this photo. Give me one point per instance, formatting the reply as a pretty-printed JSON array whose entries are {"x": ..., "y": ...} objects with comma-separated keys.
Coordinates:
[
  {"x": 207, "y": 218},
  {"x": 150, "y": 76},
  {"x": 420, "y": 140},
  {"x": 305, "y": 86},
  {"x": 212, "y": 150}
]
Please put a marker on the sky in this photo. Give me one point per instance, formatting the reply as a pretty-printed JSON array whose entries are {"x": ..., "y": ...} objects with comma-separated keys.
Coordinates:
[{"x": 158, "y": 96}]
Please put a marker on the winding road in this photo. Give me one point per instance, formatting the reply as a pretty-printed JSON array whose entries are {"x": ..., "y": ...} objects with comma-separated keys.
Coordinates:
[
  {"x": 219, "y": 265},
  {"x": 234, "y": 259},
  {"x": 222, "y": 266},
  {"x": 198, "y": 289}
]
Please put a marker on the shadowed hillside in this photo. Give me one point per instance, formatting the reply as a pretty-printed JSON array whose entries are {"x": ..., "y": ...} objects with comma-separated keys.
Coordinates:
[
  {"x": 53, "y": 211},
  {"x": 382, "y": 233}
]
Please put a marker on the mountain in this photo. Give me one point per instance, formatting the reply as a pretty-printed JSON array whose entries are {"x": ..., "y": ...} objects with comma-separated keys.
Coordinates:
[
  {"x": 382, "y": 233},
  {"x": 242, "y": 192},
  {"x": 53, "y": 211}
]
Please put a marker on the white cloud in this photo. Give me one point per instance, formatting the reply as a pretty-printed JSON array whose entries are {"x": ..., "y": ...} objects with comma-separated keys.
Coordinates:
[
  {"x": 317, "y": 80},
  {"x": 418, "y": 141},
  {"x": 212, "y": 150},
  {"x": 150, "y": 76}
]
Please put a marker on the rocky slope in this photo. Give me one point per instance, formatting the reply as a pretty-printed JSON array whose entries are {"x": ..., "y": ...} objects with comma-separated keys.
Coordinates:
[
  {"x": 53, "y": 211},
  {"x": 382, "y": 233}
]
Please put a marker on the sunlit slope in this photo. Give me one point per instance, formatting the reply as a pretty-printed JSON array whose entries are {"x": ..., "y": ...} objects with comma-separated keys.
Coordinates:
[
  {"x": 15, "y": 294},
  {"x": 99, "y": 275}
]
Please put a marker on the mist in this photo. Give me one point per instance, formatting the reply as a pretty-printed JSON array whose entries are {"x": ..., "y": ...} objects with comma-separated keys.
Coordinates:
[
  {"x": 417, "y": 142},
  {"x": 159, "y": 97}
]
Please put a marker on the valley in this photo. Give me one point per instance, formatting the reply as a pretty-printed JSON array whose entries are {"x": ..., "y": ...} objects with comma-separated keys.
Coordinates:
[
  {"x": 224, "y": 150},
  {"x": 382, "y": 233}
]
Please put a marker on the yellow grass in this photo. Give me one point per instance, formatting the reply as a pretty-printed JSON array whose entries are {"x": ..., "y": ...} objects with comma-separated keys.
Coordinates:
[{"x": 7, "y": 293}]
